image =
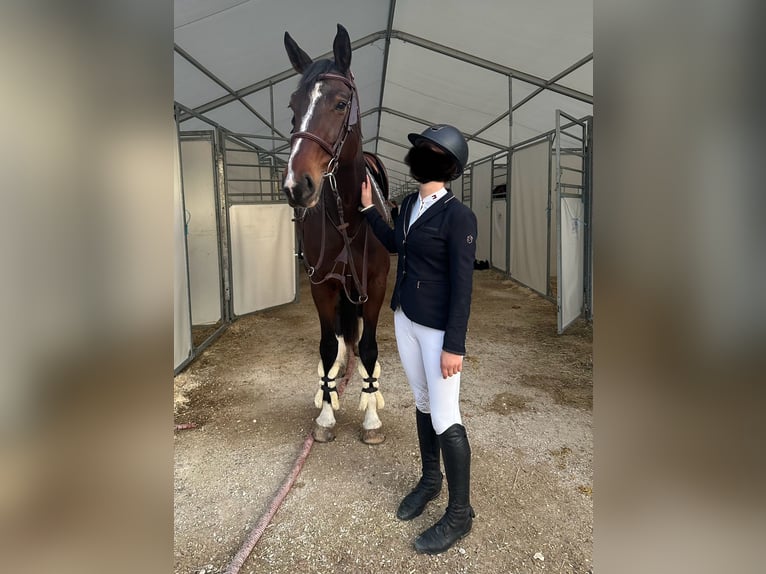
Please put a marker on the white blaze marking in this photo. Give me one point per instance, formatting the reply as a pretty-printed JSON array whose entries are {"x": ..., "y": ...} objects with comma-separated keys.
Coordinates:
[{"x": 316, "y": 93}]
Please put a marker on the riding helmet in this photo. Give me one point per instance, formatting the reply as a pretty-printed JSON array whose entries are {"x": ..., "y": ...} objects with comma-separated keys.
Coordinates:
[{"x": 448, "y": 138}]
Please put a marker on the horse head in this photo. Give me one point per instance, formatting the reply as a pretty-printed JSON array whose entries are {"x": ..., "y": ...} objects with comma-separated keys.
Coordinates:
[{"x": 325, "y": 111}]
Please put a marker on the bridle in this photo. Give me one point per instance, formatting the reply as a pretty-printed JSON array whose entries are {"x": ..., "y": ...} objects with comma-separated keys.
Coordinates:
[
  {"x": 349, "y": 121},
  {"x": 346, "y": 255}
]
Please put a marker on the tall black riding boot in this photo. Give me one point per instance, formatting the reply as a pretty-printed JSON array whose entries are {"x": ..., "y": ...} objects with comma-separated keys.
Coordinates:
[
  {"x": 458, "y": 519},
  {"x": 430, "y": 483}
]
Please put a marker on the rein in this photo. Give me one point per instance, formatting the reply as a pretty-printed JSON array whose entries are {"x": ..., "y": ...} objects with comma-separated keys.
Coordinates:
[{"x": 345, "y": 256}]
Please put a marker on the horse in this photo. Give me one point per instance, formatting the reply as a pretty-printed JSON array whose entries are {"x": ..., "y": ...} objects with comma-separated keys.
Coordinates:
[{"x": 346, "y": 264}]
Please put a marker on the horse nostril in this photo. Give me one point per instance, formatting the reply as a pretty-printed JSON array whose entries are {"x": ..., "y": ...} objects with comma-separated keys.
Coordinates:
[{"x": 309, "y": 183}]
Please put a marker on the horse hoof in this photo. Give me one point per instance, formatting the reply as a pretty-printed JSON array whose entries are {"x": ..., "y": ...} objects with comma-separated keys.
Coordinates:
[
  {"x": 323, "y": 434},
  {"x": 373, "y": 436}
]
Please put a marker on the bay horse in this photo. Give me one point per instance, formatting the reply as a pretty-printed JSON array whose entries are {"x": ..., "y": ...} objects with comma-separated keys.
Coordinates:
[{"x": 346, "y": 264}]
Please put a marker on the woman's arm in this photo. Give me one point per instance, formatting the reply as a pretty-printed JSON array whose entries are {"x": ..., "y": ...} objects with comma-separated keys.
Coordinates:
[
  {"x": 462, "y": 253},
  {"x": 381, "y": 229}
]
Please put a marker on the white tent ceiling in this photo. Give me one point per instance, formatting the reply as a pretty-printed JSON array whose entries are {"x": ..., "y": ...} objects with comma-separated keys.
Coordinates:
[{"x": 416, "y": 62}]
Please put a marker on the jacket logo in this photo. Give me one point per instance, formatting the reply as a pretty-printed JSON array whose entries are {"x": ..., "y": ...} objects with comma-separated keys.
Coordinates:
[{"x": 469, "y": 239}]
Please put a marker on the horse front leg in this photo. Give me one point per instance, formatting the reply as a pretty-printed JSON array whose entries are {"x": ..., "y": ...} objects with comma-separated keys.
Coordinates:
[
  {"x": 332, "y": 353},
  {"x": 369, "y": 368}
]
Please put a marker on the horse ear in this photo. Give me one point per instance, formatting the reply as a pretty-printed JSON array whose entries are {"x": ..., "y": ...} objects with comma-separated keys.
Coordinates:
[
  {"x": 342, "y": 49},
  {"x": 298, "y": 58}
]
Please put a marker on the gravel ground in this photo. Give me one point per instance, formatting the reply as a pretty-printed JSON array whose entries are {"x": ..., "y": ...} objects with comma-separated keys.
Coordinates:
[{"x": 526, "y": 402}]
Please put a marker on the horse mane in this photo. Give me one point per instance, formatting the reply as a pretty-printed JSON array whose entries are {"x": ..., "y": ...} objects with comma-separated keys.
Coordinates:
[{"x": 311, "y": 74}]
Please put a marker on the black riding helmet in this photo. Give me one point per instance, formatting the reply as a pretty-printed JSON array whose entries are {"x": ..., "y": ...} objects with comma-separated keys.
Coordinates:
[{"x": 449, "y": 139}]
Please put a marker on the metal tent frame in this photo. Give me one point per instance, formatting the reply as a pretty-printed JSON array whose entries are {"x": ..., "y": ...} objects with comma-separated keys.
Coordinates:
[
  {"x": 250, "y": 112},
  {"x": 388, "y": 36}
]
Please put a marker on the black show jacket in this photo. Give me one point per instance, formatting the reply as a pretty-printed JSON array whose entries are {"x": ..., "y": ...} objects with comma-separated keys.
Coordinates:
[{"x": 434, "y": 276}]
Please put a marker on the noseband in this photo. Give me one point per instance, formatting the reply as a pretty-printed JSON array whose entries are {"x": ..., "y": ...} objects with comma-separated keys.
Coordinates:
[{"x": 349, "y": 121}]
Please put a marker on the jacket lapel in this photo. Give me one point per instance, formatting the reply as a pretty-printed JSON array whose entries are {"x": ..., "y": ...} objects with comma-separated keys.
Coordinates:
[
  {"x": 406, "y": 211},
  {"x": 432, "y": 211}
]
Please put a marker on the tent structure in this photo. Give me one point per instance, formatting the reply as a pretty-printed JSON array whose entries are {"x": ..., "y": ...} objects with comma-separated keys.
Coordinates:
[{"x": 505, "y": 73}]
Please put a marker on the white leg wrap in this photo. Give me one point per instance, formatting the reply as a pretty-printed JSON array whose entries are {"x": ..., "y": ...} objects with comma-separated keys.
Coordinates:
[
  {"x": 326, "y": 418},
  {"x": 319, "y": 396},
  {"x": 341, "y": 357},
  {"x": 360, "y": 330},
  {"x": 371, "y": 400},
  {"x": 371, "y": 420}
]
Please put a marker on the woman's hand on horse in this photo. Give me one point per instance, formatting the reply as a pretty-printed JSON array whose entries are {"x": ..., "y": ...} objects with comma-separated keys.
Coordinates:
[
  {"x": 366, "y": 192},
  {"x": 451, "y": 364}
]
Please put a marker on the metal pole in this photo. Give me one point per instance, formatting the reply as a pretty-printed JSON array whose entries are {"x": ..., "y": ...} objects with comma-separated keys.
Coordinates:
[
  {"x": 491, "y": 202},
  {"x": 219, "y": 223},
  {"x": 508, "y": 180},
  {"x": 588, "y": 216},
  {"x": 548, "y": 290},
  {"x": 186, "y": 243},
  {"x": 271, "y": 173},
  {"x": 224, "y": 231},
  {"x": 559, "y": 318}
]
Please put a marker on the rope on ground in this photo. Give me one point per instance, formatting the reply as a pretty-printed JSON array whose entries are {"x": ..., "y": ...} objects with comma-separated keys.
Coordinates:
[{"x": 255, "y": 534}]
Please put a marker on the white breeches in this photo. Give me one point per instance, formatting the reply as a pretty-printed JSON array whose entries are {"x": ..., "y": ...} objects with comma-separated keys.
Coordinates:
[{"x": 420, "y": 351}]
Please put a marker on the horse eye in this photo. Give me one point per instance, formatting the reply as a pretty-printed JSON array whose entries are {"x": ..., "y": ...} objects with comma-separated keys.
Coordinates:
[{"x": 340, "y": 106}]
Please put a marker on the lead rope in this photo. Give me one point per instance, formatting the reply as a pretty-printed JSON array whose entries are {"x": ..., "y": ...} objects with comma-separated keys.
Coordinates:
[{"x": 256, "y": 533}]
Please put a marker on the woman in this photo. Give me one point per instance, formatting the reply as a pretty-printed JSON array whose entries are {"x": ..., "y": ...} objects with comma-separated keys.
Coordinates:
[{"x": 435, "y": 238}]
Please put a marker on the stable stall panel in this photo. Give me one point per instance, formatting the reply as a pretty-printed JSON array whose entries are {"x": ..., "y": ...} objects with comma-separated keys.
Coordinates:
[
  {"x": 481, "y": 204},
  {"x": 499, "y": 213},
  {"x": 202, "y": 230},
  {"x": 553, "y": 244},
  {"x": 182, "y": 340},
  {"x": 250, "y": 176},
  {"x": 572, "y": 262},
  {"x": 571, "y": 245},
  {"x": 262, "y": 256},
  {"x": 529, "y": 216},
  {"x": 499, "y": 233}
]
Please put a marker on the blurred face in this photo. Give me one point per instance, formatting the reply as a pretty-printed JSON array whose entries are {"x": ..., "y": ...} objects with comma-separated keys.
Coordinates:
[{"x": 428, "y": 162}]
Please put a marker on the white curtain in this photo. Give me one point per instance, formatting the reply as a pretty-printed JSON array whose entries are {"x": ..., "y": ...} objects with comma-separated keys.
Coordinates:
[
  {"x": 262, "y": 256},
  {"x": 529, "y": 218}
]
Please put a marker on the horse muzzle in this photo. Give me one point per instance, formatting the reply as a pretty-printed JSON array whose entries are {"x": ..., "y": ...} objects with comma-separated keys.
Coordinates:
[{"x": 302, "y": 193}]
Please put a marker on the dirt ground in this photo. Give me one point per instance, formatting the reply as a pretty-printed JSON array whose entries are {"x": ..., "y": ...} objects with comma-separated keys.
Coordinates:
[{"x": 526, "y": 400}]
